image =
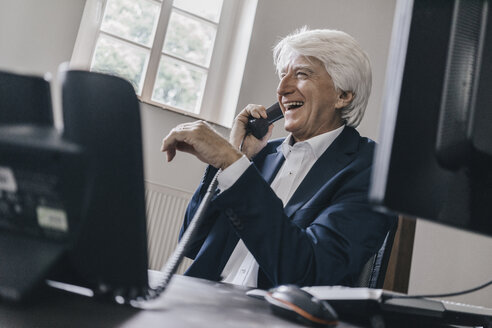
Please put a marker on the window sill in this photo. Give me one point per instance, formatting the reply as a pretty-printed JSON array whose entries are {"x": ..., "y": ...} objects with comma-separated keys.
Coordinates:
[{"x": 183, "y": 112}]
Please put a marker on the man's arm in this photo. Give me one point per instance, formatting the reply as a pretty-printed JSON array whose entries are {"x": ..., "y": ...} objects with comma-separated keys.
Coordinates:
[{"x": 199, "y": 139}]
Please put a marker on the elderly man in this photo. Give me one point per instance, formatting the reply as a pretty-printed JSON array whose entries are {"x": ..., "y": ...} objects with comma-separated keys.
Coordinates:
[{"x": 293, "y": 210}]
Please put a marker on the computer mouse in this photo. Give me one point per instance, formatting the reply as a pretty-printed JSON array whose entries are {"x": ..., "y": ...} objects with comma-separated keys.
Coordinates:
[{"x": 293, "y": 303}]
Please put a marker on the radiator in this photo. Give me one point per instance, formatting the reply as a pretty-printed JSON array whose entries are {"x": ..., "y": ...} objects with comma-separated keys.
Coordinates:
[{"x": 165, "y": 211}]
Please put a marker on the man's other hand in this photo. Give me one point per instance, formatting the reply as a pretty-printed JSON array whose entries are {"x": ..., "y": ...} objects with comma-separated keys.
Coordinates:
[{"x": 200, "y": 139}]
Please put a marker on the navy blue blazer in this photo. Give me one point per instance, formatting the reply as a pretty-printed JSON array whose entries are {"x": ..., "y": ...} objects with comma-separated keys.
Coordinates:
[{"x": 324, "y": 235}]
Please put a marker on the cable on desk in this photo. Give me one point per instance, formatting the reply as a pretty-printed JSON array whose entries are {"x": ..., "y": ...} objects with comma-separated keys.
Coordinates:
[{"x": 463, "y": 292}]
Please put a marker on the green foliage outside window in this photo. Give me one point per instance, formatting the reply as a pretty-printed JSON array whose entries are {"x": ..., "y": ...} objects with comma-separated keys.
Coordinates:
[{"x": 189, "y": 40}]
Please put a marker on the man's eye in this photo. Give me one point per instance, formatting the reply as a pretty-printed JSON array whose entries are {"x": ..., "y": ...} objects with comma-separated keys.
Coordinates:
[{"x": 301, "y": 74}]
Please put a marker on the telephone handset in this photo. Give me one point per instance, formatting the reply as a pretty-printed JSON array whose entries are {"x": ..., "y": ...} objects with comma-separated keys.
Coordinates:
[{"x": 259, "y": 126}]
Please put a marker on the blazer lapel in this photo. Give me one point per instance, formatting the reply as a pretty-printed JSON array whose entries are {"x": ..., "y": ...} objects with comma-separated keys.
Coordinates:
[
  {"x": 272, "y": 164},
  {"x": 337, "y": 156}
]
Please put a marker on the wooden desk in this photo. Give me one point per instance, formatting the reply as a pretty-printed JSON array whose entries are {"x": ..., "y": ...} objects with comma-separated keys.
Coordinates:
[{"x": 188, "y": 302}]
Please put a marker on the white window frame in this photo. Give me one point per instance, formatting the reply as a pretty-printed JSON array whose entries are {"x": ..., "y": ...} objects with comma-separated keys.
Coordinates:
[{"x": 225, "y": 74}]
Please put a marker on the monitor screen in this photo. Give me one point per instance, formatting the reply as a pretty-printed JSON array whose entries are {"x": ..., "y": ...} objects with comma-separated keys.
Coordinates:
[
  {"x": 434, "y": 160},
  {"x": 25, "y": 99}
]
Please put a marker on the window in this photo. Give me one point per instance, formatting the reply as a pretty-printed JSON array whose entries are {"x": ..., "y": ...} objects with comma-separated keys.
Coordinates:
[{"x": 183, "y": 55}]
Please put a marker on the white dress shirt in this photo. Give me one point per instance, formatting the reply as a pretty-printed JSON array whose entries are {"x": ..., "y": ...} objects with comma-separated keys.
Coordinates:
[{"x": 242, "y": 268}]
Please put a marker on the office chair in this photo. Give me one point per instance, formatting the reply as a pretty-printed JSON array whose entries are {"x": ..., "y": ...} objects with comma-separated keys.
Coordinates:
[
  {"x": 374, "y": 271},
  {"x": 25, "y": 99}
]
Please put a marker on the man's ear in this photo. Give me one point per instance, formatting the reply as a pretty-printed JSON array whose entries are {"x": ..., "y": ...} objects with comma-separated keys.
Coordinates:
[{"x": 344, "y": 99}]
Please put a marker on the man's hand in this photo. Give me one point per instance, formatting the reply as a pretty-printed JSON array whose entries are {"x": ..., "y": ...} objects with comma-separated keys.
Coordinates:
[
  {"x": 198, "y": 138},
  {"x": 251, "y": 146}
]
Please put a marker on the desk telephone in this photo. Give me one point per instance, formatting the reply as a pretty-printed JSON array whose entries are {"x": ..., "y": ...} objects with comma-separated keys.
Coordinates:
[{"x": 259, "y": 126}]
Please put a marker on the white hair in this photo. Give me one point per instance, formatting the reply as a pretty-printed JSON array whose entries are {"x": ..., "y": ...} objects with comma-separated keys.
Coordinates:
[{"x": 344, "y": 60}]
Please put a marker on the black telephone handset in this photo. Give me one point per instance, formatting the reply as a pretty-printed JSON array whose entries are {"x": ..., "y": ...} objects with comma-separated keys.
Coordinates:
[{"x": 259, "y": 126}]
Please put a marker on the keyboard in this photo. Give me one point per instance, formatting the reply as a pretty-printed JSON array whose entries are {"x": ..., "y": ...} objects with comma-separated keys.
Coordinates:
[{"x": 365, "y": 302}]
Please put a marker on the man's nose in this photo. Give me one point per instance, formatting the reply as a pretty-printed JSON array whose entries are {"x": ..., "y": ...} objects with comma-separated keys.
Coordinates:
[{"x": 285, "y": 86}]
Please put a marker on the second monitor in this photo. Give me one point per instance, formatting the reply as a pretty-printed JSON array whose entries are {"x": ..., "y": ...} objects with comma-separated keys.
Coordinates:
[{"x": 434, "y": 160}]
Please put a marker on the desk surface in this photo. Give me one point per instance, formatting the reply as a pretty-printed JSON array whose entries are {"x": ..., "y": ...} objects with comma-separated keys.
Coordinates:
[{"x": 188, "y": 302}]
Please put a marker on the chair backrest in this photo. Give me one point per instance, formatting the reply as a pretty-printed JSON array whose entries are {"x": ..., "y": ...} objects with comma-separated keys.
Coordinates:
[
  {"x": 25, "y": 99},
  {"x": 374, "y": 271}
]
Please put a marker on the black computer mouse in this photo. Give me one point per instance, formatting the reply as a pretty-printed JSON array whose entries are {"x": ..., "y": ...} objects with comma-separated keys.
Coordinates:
[{"x": 294, "y": 303}]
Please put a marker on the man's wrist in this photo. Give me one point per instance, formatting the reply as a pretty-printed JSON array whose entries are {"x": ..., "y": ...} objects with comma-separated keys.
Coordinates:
[
  {"x": 229, "y": 176},
  {"x": 230, "y": 158}
]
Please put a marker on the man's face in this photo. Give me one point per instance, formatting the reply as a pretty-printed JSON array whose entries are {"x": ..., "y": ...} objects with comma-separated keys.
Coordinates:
[{"x": 308, "y": 98}]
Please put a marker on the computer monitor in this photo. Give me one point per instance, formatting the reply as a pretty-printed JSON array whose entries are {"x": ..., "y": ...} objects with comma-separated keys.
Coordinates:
[
  {"x": 101, "y": 113},
  {"x": 25, "y": 99},
  {"x": 434, "y": 159}
]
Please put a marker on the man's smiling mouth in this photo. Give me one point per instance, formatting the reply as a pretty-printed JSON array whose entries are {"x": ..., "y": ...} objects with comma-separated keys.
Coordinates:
[{"x": 293, "y": 105}]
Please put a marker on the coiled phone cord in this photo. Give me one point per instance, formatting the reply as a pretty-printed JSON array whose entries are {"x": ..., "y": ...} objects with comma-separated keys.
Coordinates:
[{"x": 172, "y": 264}]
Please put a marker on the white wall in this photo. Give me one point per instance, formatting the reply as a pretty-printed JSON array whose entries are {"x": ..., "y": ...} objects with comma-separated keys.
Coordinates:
[
  {"x": 35, "y": 36},
  {"x": 446, "y": 259}
]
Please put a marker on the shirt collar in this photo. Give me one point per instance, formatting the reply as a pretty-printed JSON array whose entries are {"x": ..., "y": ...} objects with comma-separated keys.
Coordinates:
[{"x": 318, "y": 144}]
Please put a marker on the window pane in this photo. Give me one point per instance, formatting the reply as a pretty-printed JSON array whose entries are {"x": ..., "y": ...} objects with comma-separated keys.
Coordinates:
[
  {"x": 133, "y": 20},
  {"x": 209, "y": 9},
  {"x": 189, "y": 39},
  {"x": 179, "y": 85},
  {"x": 125, "y": 60}
]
